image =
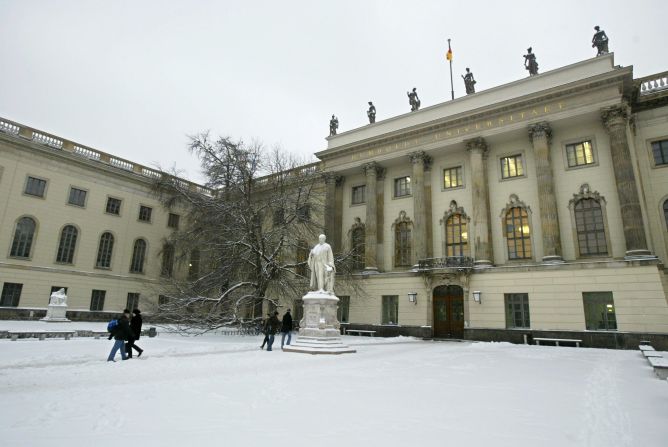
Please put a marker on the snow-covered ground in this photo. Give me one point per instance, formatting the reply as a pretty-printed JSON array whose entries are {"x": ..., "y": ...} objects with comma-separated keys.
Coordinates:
[{"x": 224, "y": 391}]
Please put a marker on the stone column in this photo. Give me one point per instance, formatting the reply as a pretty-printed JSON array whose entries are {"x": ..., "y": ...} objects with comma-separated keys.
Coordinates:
[
  {"x": 478, "y": 151},
  {"x": 333, "y": 210},
  {"x": 420, "y": 162},
  {"x": 615, "y": 119},
  {"x": 371, "y": 224},
  {"x": 541, "y": 135}
]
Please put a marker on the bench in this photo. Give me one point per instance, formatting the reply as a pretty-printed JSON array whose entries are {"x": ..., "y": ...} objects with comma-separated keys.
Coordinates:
[
  {"x": 660, "y": 366},
  {"x": 360, "y": 332},
  {"x": 558, "y": 340},
  {"x": 644, "y": 348},
  {"x": 15, "y": 335},
  {"x": 649, "y": 354}
]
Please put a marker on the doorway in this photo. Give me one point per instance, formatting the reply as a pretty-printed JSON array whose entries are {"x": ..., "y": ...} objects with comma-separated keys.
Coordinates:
[{"x": 448, "y": 312}]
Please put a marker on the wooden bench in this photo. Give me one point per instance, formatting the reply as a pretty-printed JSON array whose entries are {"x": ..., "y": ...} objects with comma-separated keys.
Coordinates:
[
  {"x": 360, "y": 332},
  {"x": 660, "y": 366},
  {"x": 558, "y": 340},
  {"x": 15, "y": 335}
]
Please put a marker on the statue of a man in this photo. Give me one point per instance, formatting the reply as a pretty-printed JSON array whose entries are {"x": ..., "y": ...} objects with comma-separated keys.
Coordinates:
[
  {"x": 371, "y": 113},
  {"x": 413, "y": 100},
  {"x": 321, "y": 263},
  {"x": 600, "y": 41},
  {"x": 530, "y": 62},
  {"x": 469, "y": 82},
  {"x": 333, "y": 125}
]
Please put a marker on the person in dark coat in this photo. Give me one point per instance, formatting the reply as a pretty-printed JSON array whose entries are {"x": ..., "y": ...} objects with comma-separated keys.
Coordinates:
[
  {"x": 135, "y": 326},
  {"x": 286, "y": 328},
  {"x": 273, "y": 325},
  {"x": 121, "y": 334},
  {"x": 265, "y": 330}
]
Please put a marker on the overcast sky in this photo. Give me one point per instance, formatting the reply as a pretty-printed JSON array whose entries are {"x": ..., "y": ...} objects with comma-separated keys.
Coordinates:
[{"x": 135, "y": 78}]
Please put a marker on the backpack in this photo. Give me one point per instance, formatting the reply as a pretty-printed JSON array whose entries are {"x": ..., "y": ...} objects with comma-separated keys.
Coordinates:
[{"x": 112, "y": 325}]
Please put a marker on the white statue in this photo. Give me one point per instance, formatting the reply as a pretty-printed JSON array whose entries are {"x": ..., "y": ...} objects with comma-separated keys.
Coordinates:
[
  {"x": 58, "y": 298},
  {"x": 321, "y": 263}
]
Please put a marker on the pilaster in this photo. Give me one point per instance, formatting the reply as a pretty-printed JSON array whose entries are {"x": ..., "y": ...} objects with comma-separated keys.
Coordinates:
[{"x": 478, "y": 151}]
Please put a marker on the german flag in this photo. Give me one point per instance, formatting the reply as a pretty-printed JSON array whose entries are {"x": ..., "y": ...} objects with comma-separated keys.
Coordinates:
[{"x": 448, "y": 55}]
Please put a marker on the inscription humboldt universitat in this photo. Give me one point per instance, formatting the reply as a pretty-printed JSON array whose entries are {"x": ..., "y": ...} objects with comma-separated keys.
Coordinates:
[{"x": 500, "y": 121}]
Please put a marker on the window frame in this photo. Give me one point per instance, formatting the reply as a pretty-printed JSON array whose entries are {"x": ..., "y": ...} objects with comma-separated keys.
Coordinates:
[
  {"x": 523, "y": 165},
  {"x": 463, "y": 224},
  {"x": 41, "y": 179},
  {"x": 142, "y": 260},
  {"x": 110, "y": 249},
  {"x": 523, "y": 238},
  {"x": 69, "y": 197},
  {"x": 651, "y": 152},
  {"x": 343, "y": 309},
  {"x": 106, "y": 206},
  {"x": 511, "y": 312},
  {"x": 133, "y": 297},
  {"x": 460, "y": 177},
  {"x": 170, "y": 218},
  {"x": 574, "y": 142},
  {"x": 352, "y": 195},
  {"x": 396, "y": 181},
  {"x": 70, "y": 249},
  {"x": 6, "y": 294},
  {"x": 386, "y": 301},
  {"x": 31, "y": 242},
  {"x": 596, "y": 231},
  {"x": 167, "y": 261},
  {"x": 141, "y": 215},
  {"x": 97, "y": 300},
  {"x": 611, "y": 305}
]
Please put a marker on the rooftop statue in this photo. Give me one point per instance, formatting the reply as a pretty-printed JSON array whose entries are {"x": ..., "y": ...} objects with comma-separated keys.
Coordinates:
[
  {"x": 530, "y": 62},
  {"x": 469, "y": 82},
  {"x": 600, "y": 41},
  {"x": 333, "y": 125},
  {"x": 413, "y": 100},
  {"x": 371, "y": 113}
]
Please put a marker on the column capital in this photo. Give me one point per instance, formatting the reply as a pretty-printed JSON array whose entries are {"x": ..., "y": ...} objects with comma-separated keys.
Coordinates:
[
  {"x": 420, "y": 157},
  {"x": 372, "y": 168},
  {"x": 614, "y": 116},
  {"x": 541, "y": 129},
  {"x": 329, "y": 177},
  {"x": 477, "y": 144}
]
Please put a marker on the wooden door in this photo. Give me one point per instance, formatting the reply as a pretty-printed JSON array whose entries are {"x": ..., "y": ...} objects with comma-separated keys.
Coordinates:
[{"x": 448, "y": 312}]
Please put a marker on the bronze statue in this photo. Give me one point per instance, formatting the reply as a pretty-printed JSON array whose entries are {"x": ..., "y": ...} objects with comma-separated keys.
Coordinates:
[
  {"x": 469, "y": 82},
  {"x": 333, "y": 125},
  {"x": 371, "y": 113},
  {"x": 413, "y": 100},
  {"x": 600, "y": 41},
  {"x": 530, "y": 62}
]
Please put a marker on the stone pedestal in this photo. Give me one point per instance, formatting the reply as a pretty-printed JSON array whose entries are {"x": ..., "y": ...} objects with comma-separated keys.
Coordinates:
[
  {"x": 57, "y": 309},
  {"x": 319, "y": 331}
]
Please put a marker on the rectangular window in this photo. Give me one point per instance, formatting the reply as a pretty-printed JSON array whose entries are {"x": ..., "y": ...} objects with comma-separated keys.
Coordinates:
[
  {"x": 97, "y": 300},
  {"x": 133, "y": 301},
  {"x": 55, "y": 289},
  {"x": 113, "y": 206},
  {"x": 402, "y": 187},
  {"x": 145, "y": 213},
  {"x": 167, "y": 261},
  {"x": 163, "y": 300},
  {"x": 173, "y": 221},
  {"x": 344, "y": 306},
  {"x": 599, "y": 311},
  {"x": 11, "y": 294},
  {"x": 512, "y": 166},
  {"x": 77, "y": 197},
  {"x": 580, "y": 154},
  {"x": 452, "y": 178},
  {"x": 359, "y": 195},
  {"x": 660, "y": 152},
  {"x": 517, "y": 310},
  {"x": 304, "y": 213},
  {"x": 390, "y": 309},
  {"x": 35, "y": 187}
]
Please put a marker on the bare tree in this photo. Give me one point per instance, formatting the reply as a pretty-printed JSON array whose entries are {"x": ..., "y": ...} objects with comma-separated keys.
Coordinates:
[{"x": 246, "y": 237}]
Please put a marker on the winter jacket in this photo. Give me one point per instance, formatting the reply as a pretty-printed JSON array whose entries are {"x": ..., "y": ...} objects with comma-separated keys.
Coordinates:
[
  {"x": 273, "y": 325},
  {"x": 123, "y": 331},
  {"x": 287, "y": 322},
  {"x": 135, "y": 325}
]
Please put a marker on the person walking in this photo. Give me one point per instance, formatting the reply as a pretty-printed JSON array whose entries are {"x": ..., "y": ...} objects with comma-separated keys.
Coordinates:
[
  {"x": 273, "y": 325},
  {"x": 265, "y": 330},
  {"x": 135, "y": 327},
  {"x": 121, "y": 334},
  {"x": 286, "y": 328}
]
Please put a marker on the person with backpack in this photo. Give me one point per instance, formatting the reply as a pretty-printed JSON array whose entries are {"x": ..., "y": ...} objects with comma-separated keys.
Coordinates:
[
  {"x": 121, "y": 333},
  {"x": 273, "y": 325},
  {"x": 286, "y": 328},
  {"x": 135, "y": 327}
]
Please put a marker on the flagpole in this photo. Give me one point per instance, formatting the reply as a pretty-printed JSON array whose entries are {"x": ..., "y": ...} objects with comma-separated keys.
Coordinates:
[{"x": 452, "y": 88}]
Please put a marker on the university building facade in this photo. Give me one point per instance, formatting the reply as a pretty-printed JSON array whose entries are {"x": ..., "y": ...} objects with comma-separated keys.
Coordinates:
[{"x": 536, "y": 208}]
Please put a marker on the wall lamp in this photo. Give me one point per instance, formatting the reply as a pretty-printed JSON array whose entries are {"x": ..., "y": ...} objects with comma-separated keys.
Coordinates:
[
  {"x": 477, "y": 296},
  {"x": 412, "y": 297}
]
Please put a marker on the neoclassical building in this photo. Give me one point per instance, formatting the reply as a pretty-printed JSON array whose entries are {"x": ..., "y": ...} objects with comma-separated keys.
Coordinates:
[{"x": 535, "y": 208}]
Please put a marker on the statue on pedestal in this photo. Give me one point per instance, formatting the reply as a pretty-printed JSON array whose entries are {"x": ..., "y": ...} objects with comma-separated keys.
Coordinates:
[
  {"x": 530, "y": 62},
  {"x": 57, "y": 309},
  {"x": 333, "y": 125},
  {"x": 321, "y": 263},
  {"x": 469, "y": 82},
  {"x": 371, "y": 113},
  {"x": 413, "y": 100},
  {"x": 600, "y": 41}
]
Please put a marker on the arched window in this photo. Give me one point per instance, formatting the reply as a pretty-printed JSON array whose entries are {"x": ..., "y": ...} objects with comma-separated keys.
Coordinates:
[
  {"x": 402, "y": 241},
  {"x": 68, "y": 242},
  {"x": 456, "y": 236},
  {"x": 590, "y": 227},
  {"x": 167, "y": 260},
  {"x": 302, "y": 251},
  {"x": 104, "y": 251},
  {"x": 23, "y": 237},
  {"x": 138, "y": 256},
  {"x": 357, "y": 244},
  {"x": 518, "y": 237},
  {"x": 193, "y": 265},
  {"x": 665, "y": 212}
]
